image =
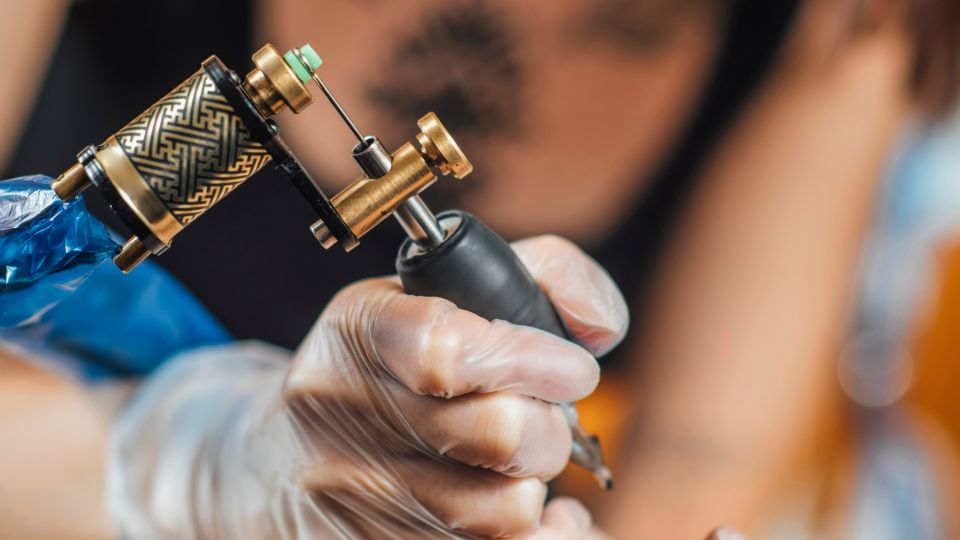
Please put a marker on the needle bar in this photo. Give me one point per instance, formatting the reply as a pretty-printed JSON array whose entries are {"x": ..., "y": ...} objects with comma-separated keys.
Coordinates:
[{"x": 336, "y": 105}]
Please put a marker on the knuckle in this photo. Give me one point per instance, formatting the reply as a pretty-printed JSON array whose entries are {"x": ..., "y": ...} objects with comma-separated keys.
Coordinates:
[
  {"x": 437, "y": 352},
  {"x": 558, "y": 454},
  {"x": 502, "y": 421},
  {"x": 558, "y": 245},
  {"x": 591, "y": 374},
  {"x": 351, "y": 314},
  {"x": 357, "y": 291},
  {"x": 522, "y": 502}
]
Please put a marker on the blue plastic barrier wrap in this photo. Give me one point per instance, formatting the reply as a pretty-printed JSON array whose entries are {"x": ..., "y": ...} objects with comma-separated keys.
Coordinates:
[{"x": 59, "y": 300}]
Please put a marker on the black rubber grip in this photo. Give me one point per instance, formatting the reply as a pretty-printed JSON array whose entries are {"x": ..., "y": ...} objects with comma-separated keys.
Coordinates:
[{"x": 478, "y": 271}]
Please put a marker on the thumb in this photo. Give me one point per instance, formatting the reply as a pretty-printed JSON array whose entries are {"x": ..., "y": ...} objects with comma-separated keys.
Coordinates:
[{"x": 584, "y": 295}]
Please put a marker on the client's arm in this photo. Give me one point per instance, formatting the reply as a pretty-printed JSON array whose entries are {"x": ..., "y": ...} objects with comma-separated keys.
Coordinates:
[
  {"x": 736, "y": 355},
  {"x": 53, "y": 440}
]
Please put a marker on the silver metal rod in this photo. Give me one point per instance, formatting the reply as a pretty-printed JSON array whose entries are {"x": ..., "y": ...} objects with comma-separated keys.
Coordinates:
[
  {"x": 336, "y": 105},
  {"x": 420, "y": 224},
  {"x": 326, "y": 91}
]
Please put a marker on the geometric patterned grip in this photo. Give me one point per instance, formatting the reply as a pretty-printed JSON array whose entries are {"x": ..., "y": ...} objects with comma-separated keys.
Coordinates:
[{"x": 191, "y": 148}]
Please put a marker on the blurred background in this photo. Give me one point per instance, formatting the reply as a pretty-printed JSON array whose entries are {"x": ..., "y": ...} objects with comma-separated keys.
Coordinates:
[{"x": 774, "y": 185}]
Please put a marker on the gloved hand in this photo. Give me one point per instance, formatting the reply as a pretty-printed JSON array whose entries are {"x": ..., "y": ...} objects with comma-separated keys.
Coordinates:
[{"x": 400, "y": 416}]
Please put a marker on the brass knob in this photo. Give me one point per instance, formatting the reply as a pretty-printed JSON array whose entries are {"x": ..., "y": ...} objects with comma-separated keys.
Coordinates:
[
  {"x": 273, "y": 84},
  {"x": 367, "y": 201},
  {"x": 131, "y": 254},
  {"x": 438, "y": 146},
  {"x": 69, "y": 184}
]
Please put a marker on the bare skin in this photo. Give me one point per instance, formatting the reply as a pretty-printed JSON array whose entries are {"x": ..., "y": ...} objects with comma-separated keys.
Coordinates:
[
  {"x": 739, "y": 360},
  {"x": 24, "y": 72},
  {"x": 53, "y": 456}
]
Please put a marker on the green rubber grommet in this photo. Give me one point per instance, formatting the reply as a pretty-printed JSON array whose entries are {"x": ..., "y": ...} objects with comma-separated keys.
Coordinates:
[
  {"x": 311, "y": 56},
  {"x": 297, "y": 66},
  {"x": 303, "y": 72}
]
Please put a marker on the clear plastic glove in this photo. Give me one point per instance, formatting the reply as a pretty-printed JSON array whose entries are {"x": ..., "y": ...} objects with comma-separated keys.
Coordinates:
[{"x": 400, "y": 416}]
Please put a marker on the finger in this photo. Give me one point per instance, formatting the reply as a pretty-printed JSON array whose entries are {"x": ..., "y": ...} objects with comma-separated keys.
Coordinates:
[
  {"x": 337, "y": 357},
  {"x": 463, "y": 499},
  {"x": 433, "y": 348},
  {"x": 510, "y": 434},
  {"x": 586, "y": 298},
  {"x": 476, "y": 501},
  {"x": 360, "y": 501},
  {"x": 563, "y": 519},
  {"x": 436, "y": 349},
  {"x": 725, "y": 533}
]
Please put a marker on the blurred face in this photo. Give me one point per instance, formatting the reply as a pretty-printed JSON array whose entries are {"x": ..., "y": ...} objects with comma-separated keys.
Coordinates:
[{"x": 564, "y": 107}]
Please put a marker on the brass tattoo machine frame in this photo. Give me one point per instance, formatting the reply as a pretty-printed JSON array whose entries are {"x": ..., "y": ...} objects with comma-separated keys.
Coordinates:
[{"x": 194, "y": 146}]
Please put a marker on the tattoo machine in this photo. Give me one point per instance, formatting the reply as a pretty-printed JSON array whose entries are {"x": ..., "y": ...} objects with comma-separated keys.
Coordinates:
[{"x": 209, "y": 134}]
